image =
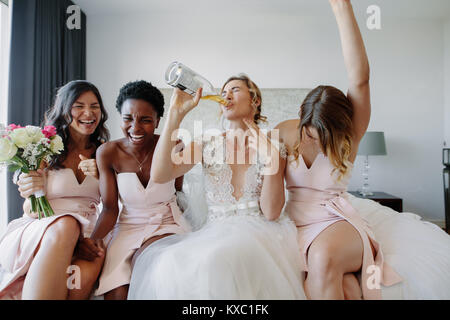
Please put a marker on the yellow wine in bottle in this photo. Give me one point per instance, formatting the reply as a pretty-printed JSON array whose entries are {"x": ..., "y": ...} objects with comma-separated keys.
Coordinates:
[{"x": 215, "y": 98}]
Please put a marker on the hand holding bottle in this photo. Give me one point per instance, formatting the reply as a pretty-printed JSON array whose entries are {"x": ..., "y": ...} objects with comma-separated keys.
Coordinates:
[
  {"x": 180, "y": 76},
  {"x": 181, "y": 103},
  {"x": 260, "y": 143}
]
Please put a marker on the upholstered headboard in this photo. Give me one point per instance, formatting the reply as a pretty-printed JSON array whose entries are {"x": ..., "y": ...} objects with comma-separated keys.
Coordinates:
[{"x": 277, "y": 105}]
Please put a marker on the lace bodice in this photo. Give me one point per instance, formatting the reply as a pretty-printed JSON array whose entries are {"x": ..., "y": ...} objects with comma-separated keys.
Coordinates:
[{"x": 219, "y": 190}]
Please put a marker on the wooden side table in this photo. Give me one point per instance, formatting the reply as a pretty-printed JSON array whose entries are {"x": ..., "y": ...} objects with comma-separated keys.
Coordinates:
[{"x": 385, "y": 199}]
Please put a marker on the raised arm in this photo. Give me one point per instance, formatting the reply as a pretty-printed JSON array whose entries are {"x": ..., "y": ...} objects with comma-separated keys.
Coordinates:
[
  {"x": 164, "y": 168},
  {"x": 357, "y": 65}
]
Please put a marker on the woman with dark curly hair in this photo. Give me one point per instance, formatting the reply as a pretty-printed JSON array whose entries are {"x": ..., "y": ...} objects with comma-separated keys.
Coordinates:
[
  {"x": 149, "y": 211},
  {"x": 35, "y": 254}
]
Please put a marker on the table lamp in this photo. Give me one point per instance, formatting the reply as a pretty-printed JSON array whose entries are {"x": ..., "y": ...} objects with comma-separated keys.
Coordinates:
[{"x": 372, "y": 144}]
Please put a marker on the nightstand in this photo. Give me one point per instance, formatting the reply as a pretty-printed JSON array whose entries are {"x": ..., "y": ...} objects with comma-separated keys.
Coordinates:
[{"x": 385, "y": 199}]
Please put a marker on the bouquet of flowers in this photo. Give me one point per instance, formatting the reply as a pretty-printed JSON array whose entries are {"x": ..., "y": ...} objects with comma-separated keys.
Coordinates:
[{"x": 23, "y": 149}]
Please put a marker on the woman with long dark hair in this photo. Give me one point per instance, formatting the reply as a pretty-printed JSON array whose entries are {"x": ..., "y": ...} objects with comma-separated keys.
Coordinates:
[{"x": 35, "y": 255}]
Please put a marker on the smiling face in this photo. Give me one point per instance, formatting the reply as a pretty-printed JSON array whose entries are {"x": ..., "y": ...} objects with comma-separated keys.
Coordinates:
[
  {"x": 86, "y": 114},
  {"x": 139, "y": 121},
  {"x": 239, "y": 99}
]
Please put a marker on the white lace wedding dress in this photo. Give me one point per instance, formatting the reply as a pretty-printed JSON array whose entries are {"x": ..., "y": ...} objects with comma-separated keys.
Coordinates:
[{"x": 236, "y": 254}]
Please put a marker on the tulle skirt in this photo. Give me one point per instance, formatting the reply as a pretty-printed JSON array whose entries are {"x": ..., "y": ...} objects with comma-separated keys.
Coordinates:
[
  {"x": 250, "y": 258},
  {"x": 240, "y": 257}
]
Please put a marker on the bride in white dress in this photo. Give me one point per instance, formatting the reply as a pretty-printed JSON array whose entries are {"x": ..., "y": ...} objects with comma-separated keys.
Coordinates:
[{"x": 245, "y": 250}]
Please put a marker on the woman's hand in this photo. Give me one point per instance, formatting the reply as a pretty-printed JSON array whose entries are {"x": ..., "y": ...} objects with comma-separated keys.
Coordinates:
[
  {"x": 181, "y": 102},
  {"x": 89, "y": 249},
  {"x": 272, "y": 192},
  {"x": 260, "y": 143},
  {"x": 88, "y": 166},
  {"x": 31, "y": 182}
]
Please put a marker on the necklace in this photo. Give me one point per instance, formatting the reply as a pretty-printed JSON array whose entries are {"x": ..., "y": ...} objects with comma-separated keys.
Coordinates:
[{"x": 143, "y": 161}]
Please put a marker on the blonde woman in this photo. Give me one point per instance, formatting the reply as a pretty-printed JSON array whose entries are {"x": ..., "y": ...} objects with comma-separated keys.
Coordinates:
[
  {"x": 342, "y": 258},
  {"x": 245, "y": 250}
]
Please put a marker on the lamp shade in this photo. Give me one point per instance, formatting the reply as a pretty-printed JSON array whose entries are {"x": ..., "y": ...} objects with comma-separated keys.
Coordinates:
[{"x": 372, "y": 144}]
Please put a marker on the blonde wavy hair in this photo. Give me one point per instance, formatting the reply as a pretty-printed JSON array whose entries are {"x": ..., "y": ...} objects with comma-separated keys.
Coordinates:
[
  {"x": 255, "y": 94},
  {"x": 330, "y": 112}
]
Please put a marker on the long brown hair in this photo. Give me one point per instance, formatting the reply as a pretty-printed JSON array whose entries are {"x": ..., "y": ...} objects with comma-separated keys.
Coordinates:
[
  {"x": 255, "y": 94},
  {"x": 59, "y": 115},
  {"x": 330, "y": 112}
]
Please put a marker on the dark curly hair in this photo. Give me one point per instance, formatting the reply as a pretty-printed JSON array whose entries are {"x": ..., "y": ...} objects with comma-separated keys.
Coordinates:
[
  {"x": 142, "y": 90},
  {"x": 59, "y": 116}
]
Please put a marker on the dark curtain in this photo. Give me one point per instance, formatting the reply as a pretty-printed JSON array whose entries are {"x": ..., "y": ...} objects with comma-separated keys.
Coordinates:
[{"x": 45, "y": 54}]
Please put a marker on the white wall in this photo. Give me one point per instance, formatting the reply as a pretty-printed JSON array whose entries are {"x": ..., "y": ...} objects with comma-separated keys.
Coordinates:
[
  {"x": 407, "y": 98},
  {"x": 287, "y": 51}
]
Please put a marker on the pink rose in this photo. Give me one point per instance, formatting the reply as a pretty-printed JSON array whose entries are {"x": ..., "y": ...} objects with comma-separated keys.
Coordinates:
[
  {"x": 13, "y": 127},
  {"x": 49, "y": 131}
]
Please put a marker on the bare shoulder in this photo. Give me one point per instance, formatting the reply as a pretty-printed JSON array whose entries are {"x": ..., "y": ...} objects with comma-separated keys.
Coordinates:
[
  {"x": 107, "y": 149},
  {"x": 287, "y": 131},
  {"x": 287, "y": 125}
]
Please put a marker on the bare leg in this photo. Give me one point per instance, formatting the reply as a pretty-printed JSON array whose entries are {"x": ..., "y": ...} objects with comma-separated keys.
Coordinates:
[
  {"x": 47, "y": 276},
  {"x": 352, "y": 289},
  {"x": 119, "y": 293},
  {"x": 337, "y": 250},
  {"x": 90, "y": 271}
]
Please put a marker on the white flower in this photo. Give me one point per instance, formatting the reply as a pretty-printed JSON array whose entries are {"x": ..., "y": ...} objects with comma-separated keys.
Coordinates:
[
  {"x": 29, "y": 155},
  {"x": 7, "y": 149},
  {"x": 56, "y": 144},
  {"x": 35, "y": 133},
  {"x": 20, "y": 137},
  {"x": 45, "y": 142}
]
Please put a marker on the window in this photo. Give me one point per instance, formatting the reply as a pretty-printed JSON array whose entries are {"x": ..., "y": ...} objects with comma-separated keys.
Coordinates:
[{"x": 4, "y": 68}]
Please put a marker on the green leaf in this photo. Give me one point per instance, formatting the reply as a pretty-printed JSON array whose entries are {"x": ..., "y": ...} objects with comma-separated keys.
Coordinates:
[
  {"x": 33, "y": 204},
  {"x": 14, "y": 167},
  {"x": 21, "y": 161}
]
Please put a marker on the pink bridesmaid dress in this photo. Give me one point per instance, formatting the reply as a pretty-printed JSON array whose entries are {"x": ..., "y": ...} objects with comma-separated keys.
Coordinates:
[
  {"x": 316, "y": 200},
  {"x": 19, "y": 242},
  {"x": 146, "y": 213}
]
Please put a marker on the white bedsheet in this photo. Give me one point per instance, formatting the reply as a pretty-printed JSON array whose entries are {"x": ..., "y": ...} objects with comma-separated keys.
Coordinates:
[{"x": 418, "y": 250}]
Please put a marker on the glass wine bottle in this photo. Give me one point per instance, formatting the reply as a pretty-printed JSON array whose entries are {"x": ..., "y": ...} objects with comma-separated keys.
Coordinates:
[{"x": 186, "y": 79}]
